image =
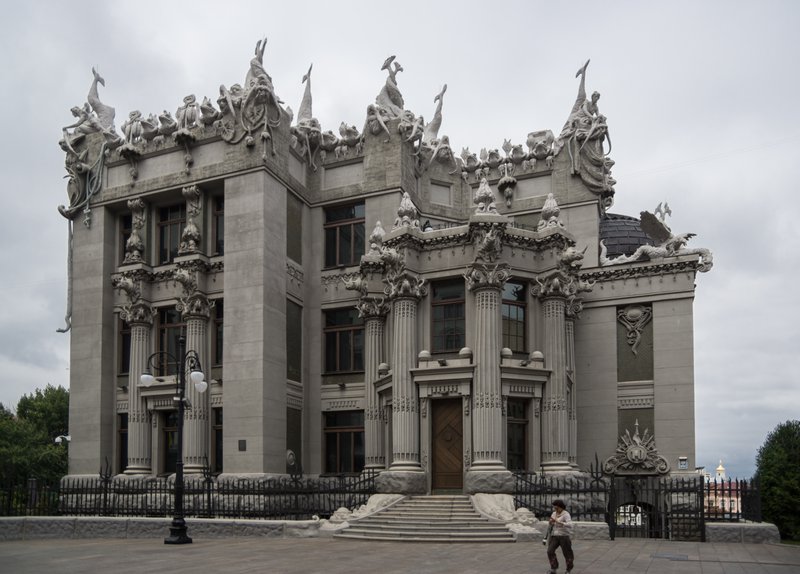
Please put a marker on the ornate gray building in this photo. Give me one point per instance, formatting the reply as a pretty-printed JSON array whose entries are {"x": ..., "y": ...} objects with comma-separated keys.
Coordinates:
[{"x": 370, "y": 299}]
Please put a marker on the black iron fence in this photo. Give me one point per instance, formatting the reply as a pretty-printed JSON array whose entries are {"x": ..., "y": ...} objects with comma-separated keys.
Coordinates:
[
  {"x": 675, "y": 508},
  {"x": 274, "y": 498}
]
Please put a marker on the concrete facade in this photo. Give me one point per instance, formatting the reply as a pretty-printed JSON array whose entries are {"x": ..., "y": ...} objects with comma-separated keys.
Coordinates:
[{"x": 365, "y": 389}]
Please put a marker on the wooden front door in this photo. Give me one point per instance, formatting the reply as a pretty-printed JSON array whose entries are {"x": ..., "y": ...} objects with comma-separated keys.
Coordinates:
[{"x": 447, "y": 445}]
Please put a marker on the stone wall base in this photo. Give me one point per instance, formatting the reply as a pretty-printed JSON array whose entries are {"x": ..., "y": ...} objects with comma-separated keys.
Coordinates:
[
  {"x": 401, "y": 482},
  {"x": 489, "y": 482},
  {"x": 747, "y": 532}
]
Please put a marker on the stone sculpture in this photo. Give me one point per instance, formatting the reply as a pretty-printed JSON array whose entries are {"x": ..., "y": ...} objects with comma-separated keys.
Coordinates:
[
  {"x": 307, "y": 134},
  {"x": 584, "y": 135},
  {"x": 188, "y": 114},
  {"x": 390, "y": 98},
  {"x": 484, "y": 198},
  {"x": 540, "y": 147},
  {"x": 407, "y": 213},
  {"x": 349, "y": 138},
  {"x": 431, "y": 133},
  {"x": 666, "y": 244}
]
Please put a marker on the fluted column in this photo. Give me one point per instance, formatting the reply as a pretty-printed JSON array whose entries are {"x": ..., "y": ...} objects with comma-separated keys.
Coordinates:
[
  {"x": 487, "y": 412},
  {"x": 140, "y": 318},
  {"x": 555, "y": 424},
  {"x": 195, "y": 311},
  {"x": 572, "y": 414},
  {"x": 405, "y": 399},
  {"x": 374, "y": 313}
]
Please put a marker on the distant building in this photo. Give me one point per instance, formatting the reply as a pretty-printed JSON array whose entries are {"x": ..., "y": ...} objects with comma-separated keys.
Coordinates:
[{"x": 370, "y": 299}]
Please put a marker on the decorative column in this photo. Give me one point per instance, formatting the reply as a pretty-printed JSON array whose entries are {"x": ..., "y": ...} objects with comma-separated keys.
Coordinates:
[
  {"x": 486, "y": 282},
  {"x": 555, "y": 433},
  {"x": 573, "y": 310},
  {"x": 404, "y": 289},
  {"x": 374, "y": 311},
  {"x": 195, "y": 310},
  {"x": 139, "y": 315}
]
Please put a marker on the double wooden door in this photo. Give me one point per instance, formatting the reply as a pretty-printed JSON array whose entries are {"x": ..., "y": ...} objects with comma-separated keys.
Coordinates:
[{"x": 447, "y": 449}]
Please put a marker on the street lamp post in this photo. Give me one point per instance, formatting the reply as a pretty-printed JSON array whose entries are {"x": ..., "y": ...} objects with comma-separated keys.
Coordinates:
[{"x": 178, "y": 531}]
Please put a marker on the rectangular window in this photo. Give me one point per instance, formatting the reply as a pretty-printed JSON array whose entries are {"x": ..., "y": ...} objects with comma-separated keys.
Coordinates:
[
  {"x": 218, "y": 226},
  {"x": 124, "y": 347},
  {"x": 219, "y": 311},
  {"x": 344, "y": 442},
  {"x": 344, "y": 235},
  {"x": 122, "y": 441},
  {"x": 517, "y": 425},
  {"x": 171, "y": 221},
  {"x": 217, "y": 438},
  {"x": 294, "y": 436},
  {"x": 169, "y": 435},
  {"x": 514, "y": 305},
  {"x": 170, "y": 327},
  {"x": 294, "y": 228},
  {"x": 344, "y": 341},
  {"x": 447, "y": 316},
  {"x": 125, "y": 230},
  {"x": 294, "y": 341}
]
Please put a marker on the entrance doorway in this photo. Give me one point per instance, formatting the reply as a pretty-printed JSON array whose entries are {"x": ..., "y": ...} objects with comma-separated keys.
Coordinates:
[{"x": 447, "y": 445}]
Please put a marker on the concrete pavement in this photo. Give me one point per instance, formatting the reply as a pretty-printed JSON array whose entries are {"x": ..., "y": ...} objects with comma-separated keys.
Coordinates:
[{"x": 330, "y": 556}]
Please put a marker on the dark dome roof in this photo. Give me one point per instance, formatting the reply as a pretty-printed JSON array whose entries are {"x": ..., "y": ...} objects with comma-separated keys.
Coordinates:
[{"x": 622, "y": 234}]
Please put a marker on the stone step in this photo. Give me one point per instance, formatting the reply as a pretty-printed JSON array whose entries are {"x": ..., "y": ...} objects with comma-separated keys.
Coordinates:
[
  {"x": 425, "y": 536},
  {"x": 440, "y": 518}
]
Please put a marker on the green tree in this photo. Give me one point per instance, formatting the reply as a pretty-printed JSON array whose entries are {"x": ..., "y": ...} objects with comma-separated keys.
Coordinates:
[
  {"x": 27, "y": 448},
  {"x": 778, "y": 473}
]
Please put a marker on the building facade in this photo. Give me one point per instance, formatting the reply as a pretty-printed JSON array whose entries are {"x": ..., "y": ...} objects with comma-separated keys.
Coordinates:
[{"x": 369, "y": 300}]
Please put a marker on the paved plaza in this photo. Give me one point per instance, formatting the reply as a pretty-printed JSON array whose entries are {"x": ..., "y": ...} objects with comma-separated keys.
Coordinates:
[{"x": 325, "y": 555}]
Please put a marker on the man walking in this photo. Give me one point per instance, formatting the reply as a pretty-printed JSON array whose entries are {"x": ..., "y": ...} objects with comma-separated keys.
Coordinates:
[{"x": 561, "y": 522}]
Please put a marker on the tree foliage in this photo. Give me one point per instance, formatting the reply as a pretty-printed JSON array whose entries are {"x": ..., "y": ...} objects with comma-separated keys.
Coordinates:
[
  {"x": 778, "y": 473},
  {"x": 27, "y": 447}
]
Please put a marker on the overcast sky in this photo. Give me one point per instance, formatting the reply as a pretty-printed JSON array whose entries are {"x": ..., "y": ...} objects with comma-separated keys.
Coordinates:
[{"x": 701, "y": 99}]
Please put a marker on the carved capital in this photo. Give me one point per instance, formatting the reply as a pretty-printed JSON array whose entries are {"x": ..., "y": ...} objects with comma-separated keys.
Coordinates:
[
  {"x": 139, "y": 313},
  {"x": 483, "y": 276},
  {"x": 195, "y": 306},
  {"x": 405, "y": 284},
  {"x": 372, "y": 307}
]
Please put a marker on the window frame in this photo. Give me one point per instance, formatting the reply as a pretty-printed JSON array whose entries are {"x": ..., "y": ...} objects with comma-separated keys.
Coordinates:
[
  {"x": 165, "y": 332},
  {"x": 520, "y": 305},
  {"x": 439, "y": 342},
  {"x": 355, "y": 223},
  {"x": 354, "y": 330},
  {"x": 350, "y": 432},
  {"x": 173, "y": 227},
  {"x": 512, "y": 421},
  {"x": 218, "y": 225}
]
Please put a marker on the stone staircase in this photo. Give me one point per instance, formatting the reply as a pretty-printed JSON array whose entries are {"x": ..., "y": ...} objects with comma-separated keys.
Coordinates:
[{"x": 436, "y": 518}]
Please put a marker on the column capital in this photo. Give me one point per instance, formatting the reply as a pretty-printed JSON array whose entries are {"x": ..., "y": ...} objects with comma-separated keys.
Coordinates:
[
  {"x": 405, "y": 285},
  {"x": 372, "y": 307},
  {"x": 195, "y": 306},
  {"x": 486, "y": 276}
]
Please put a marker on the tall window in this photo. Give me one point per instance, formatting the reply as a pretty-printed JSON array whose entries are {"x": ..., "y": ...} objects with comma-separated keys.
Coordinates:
[
  {"x": 344, "y": 341},
  {"x": 219, "y": 311},
  {"x": 125, "y": 230},
  {"x": 218, "y": 226},
  {"x": 294, "y": 228},
  {"x": 217, "y": 437},
  {"x": 517, "y": 425},
  {"x": 344, "y": 441},
  {"x": 294, "y": 341},
  {"x": 514, "y": 316},
  {"x": 171, "y": 221},
  {"x": 124, "y": 347},
  {"x": 344, "y": 235},
  {"x": 122, "y": 441},
  {"x": 447, "y": 316},
  {"x": 170, "y": 327},
  {"x": 169, "y": 435}
]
